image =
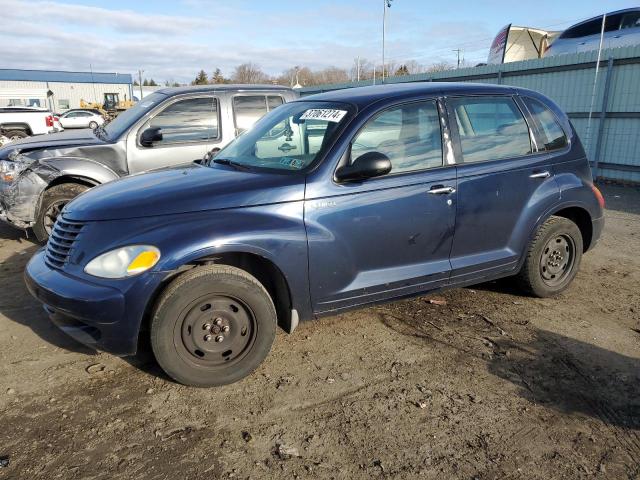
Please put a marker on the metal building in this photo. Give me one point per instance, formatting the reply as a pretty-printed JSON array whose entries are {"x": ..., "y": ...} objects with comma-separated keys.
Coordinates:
[{"x": 60, "y": 91}]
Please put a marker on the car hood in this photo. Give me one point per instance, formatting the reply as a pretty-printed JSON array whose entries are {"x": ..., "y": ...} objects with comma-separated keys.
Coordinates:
[
  {"x": 188, "y": 189},
  {"x": 68, "y": 138}
]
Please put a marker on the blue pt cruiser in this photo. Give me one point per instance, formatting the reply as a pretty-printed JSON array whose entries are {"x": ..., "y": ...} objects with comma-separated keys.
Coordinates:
[{"x": 331, "y": 202}]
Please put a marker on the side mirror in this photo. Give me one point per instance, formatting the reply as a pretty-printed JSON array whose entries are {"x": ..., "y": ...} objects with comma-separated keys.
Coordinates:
[
  {"x": 368, "y": 165},
  {"x": 150, "y": 135}
]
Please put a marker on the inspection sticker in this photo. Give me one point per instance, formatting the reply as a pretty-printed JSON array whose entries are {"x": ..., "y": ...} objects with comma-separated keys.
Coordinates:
[{"x": 328, "y": 114}]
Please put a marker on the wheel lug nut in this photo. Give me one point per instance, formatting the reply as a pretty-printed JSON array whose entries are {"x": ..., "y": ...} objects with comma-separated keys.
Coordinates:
[
  {"x": 208, "y": 337},
  {"x": 218, "y": 321},
  {"x": 219, "y": 338},
  {"x": 206, "y": 326},
  {"x": 225, "y": 328}
]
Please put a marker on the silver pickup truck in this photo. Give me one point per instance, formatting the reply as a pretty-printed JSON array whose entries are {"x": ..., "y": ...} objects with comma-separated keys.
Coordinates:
[{"x": 172, "y": 126}]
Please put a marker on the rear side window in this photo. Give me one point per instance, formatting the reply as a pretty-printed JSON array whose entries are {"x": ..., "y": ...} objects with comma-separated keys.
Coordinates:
[
  {"x": 490, "y": 128},
  {"x": 409, "y": 135},
  {"x": 248, "y": 109},
  {"x": 553, "y": 136}
]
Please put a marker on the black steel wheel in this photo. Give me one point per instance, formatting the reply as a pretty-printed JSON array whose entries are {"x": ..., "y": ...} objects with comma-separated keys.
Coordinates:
[
  {"x": 212, "y": 325},
  {"x": 552, "y": 259}
]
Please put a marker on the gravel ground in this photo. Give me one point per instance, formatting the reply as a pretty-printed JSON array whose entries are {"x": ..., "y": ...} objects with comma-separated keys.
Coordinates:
[{"x": 471, "y": 383}]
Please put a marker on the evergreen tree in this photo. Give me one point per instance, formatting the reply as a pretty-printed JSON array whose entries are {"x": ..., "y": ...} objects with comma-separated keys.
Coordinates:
[{"x": 201, "y": 78}]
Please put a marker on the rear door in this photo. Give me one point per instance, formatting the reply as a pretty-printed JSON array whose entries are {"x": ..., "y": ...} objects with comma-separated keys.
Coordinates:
[
  {"x": 502, "y": 176},
  {"x": 388, "y": 236}
]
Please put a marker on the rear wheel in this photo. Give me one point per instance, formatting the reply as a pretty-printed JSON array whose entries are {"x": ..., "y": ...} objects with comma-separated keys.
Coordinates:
[
  {"x": 53, "y": 201},
  {"x": 553, "y": 258},
  {"x": 14, "y": 135},
  {"x": 212, "y": 326}
]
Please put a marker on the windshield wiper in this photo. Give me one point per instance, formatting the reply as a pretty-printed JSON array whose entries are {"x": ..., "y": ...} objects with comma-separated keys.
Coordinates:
[{"x": 231, "y": 163}]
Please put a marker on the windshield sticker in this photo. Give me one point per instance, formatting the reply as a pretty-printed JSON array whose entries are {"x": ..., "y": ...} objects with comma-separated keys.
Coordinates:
[
  {"x": 327, "y": 114},
  {"x": 291, "y": 162}
]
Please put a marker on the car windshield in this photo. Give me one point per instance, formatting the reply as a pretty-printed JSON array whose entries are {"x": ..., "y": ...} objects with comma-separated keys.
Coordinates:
[
  {"x": 124, "y": 120},
  {"x": 289, "y": 138}
]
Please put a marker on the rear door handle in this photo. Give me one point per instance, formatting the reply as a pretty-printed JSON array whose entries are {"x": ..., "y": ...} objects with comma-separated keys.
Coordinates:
[
  {"x": 544, "y": 174},
  {"x": 440, "y": 190}
]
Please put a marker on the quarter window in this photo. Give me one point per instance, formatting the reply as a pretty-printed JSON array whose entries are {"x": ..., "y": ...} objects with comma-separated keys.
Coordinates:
[
  {"x": 248, "y": 109},
  {"x": 187, "y": 121},
  {"x": 409, "y": 135},
  {"x": 490, "y": 128},
  {"x": 551, "y": 131}
]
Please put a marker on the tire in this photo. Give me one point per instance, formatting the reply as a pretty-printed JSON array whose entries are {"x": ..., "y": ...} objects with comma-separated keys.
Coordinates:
[
  {"x": 13, "y": 135},
  {"x": 53, "y": 200},
  {"x": 93, "y": 125},
  {"x": 552, "y": 259},
  {"x": 212, "y": 326}
]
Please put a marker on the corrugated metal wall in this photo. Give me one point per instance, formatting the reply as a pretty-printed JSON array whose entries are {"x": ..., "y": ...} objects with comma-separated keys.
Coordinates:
[{"x": 610, "y": 137}]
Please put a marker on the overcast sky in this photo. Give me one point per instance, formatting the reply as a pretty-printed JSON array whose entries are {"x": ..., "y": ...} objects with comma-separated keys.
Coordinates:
[{"x": 172, "y": 40}]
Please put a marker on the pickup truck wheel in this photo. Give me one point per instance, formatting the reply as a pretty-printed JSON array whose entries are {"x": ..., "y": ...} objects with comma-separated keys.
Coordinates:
[
  {"x": 13, "y": 135},
  {"x": 553, "y": 258},
  {"x": 53, "y": 201},
  {"x": 212, "y": 326}
]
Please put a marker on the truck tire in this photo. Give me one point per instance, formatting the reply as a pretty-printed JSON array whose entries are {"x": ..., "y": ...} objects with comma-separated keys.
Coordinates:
[
  {"x": 13, "y": 135},
  {"x": 53, "y": 201},
  {"x": 212, "y": 326},
  {"x": 552, "y": 259}
]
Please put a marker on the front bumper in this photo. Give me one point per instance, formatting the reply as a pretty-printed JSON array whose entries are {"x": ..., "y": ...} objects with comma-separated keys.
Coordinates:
[
  {"x": 101, "y": 316},
  {"x": 19, "y": 200}
]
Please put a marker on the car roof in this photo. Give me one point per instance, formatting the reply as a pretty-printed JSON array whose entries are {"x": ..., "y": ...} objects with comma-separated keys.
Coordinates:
[
  {"x": 221, "y": 88},
  {"x": 365, "y": 96},
  {"x": 598, "y": 17}
]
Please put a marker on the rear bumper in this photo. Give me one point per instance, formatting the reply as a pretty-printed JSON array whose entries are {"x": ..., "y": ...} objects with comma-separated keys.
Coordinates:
[
  {"x": 596, "y": 231},
  {"x": 102, "y": 317}
]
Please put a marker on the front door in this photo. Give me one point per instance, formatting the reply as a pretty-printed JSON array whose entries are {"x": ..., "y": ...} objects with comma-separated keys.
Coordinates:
[
  {"x": 190, "y": 127},
  {"x": 389, "y": 236},
  {"x": 503, "y": 175}
]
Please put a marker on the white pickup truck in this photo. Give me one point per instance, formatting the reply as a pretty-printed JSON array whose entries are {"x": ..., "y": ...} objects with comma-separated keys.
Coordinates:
[{"x": 22, "y": 122}]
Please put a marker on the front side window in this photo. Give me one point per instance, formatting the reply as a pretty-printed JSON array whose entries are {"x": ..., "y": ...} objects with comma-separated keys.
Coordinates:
[
  {"x": 290, "y": 138},
  {"x": 248, "y": 109},
  {"x": 490, "y": 128},
  {"x": 551, "y": 131},
  {"x": 187, "y": 121},
  {"x": 409, "y": 135}
]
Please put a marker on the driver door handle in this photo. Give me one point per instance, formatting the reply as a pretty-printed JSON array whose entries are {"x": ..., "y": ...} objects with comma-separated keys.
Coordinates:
[
  {"x": 544, "y": 174},
  {"x": 441, "y": 190}
]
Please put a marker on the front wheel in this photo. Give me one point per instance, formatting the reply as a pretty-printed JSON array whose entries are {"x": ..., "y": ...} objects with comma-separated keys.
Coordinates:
[
  {"x": 553, "y": 258},
  {"x": 93, "y": 125},
  {"x": 212, "y": 326},
  {"x": 53, "y": 201}
]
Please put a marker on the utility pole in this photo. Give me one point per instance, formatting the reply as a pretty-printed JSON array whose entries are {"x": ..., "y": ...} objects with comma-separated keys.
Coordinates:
[
  {"x": 358, "y": 69},
  {"x": 386, "y": 4},
  {"x": 458, "y": 51},
  {"x": 140, "y": 72}
]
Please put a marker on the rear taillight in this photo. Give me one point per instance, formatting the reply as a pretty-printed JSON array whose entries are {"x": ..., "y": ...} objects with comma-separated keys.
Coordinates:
[
  {"x": 598, "y": 195},
  {"x": 49, "y": 120}
]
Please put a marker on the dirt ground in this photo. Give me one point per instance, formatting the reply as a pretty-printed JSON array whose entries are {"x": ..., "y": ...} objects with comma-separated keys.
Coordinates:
[{"x": 489, "y": 385}]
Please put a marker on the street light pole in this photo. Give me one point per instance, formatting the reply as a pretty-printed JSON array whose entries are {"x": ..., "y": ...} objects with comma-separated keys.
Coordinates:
[
  {"x": 385, "y": 4},
  {"x": 140, "y": 82}
]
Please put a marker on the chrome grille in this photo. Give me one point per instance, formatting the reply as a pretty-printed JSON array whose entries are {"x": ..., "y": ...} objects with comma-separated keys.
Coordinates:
[{"x": 61, "y": 241}]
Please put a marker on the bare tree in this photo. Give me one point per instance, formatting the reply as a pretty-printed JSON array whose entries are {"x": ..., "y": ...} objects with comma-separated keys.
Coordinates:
[
  {"x": 249, "y": 73},
  {"x": 331, "y": 75},
  {"x": 439, "y": 67}
]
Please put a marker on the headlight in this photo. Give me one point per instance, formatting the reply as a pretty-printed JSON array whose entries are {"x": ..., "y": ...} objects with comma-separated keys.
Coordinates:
[
  {"x": 9, "y": 170},
  {"x": 124, "y": 262}
]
